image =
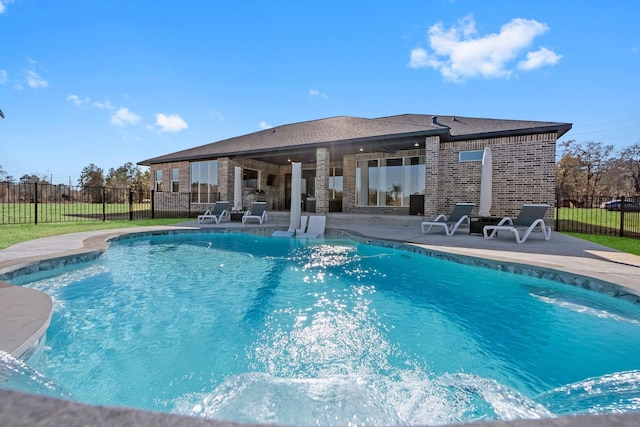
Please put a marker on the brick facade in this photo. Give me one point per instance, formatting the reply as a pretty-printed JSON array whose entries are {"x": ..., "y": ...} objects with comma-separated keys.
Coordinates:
[{"x": 523, "y": 172}]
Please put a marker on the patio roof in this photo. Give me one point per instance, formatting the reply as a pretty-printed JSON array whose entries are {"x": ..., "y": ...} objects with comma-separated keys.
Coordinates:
[{"x": 348, "y": 135}]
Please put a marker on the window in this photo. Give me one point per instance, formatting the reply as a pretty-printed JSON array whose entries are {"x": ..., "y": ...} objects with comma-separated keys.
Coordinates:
[
  {"x": 389, "y": 182},
  {"x": 175, "y": 180},
  {"x": 335, "y": 184},
  {"x": 470, "y": 156},
  {"x": 250, "y": 179},
  {"x": 158, "y": 180},
  {"x": 204, "y": 181}
]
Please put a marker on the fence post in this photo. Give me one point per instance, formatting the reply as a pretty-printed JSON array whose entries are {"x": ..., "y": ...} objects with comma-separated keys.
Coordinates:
[
  {"x": 557, "y": 212},
  {"x": 153, "y": 204},
  {"x": 104, "y": 203},
  {"x": 622, "y": 216},
  {"x": 35, "y": 202},
  {"x": 130, "y": 204}
]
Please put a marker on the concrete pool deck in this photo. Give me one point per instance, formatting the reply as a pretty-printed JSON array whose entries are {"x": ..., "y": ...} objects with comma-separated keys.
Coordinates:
[{"x": 564, "y": 258}]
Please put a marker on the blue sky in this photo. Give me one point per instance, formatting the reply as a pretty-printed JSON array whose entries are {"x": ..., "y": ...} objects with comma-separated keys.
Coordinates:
[{"x": 108, "y": 82}]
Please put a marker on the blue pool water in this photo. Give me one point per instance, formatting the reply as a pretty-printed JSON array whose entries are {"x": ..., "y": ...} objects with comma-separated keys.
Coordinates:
[{"x": 249, "y": 328}]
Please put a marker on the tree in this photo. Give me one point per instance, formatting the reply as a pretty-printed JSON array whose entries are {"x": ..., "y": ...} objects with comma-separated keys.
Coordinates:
[
  {"x": 121, "y": 177},
  {"x": 630, "y": 164},
  {"x": 91, "y": 176},
  {"x": 568, "y": 171},
  {"x": 584, "y": 166},
  {"x": 92, "y": 180}
]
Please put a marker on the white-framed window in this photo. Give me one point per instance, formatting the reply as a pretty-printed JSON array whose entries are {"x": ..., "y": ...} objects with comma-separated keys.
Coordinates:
[
  {"x": 204, "y": 181},
  {"x": 175, "y": 180},
  {"x": 158, "y": 180},
  {"x": 470, "y": 156},
  {"x": 389, "y": 181}
]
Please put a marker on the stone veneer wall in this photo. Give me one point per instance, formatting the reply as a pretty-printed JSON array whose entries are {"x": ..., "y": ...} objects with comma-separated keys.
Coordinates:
[{"x": 322, "y": 180}]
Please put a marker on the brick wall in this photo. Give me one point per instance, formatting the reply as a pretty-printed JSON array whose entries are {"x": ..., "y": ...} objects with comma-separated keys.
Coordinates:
[{"x": 523, "y": 172}]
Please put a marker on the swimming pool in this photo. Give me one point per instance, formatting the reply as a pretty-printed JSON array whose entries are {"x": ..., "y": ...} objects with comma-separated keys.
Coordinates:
[{"x": 250, "y": 328}]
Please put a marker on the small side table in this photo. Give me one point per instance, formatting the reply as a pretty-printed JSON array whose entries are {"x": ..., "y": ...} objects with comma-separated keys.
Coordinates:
[
  {"x": 477, "y": 223},
  {"x": 236, "y": 216}
]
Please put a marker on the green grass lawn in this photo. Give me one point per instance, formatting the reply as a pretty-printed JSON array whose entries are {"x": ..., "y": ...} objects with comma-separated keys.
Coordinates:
[
  {"x": 624, "y": 244},
  {"x": 10, "y": 234}
]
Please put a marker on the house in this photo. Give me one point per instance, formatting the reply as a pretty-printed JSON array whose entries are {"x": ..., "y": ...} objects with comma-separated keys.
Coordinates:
[{"x": 406, "y": 164}]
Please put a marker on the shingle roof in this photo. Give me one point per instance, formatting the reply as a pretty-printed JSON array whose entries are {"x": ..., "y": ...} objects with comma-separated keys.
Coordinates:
[{"x": 355, "y": 129}]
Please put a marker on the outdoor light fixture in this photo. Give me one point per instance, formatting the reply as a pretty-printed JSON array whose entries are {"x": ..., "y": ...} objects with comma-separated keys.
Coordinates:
[
  {"x": 361, "y": 149},
  {"x": 416, "y": 145}
]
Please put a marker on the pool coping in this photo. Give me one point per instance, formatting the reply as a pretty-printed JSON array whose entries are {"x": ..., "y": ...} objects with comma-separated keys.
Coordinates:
[{"x": 96, "y": 243}]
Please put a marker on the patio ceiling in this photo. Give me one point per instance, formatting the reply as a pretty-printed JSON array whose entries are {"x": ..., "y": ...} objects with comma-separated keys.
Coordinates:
[{"x": 337, "y": 150}]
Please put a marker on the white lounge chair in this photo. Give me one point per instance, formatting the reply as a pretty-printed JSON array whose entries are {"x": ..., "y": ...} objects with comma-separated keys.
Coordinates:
[
  {"x": 290, "y": 232},
  {"x": 315, "y": 229},
  {"x": 458, "y": 216},
  {"x": 258, "y": 211},
  {"x": 219, "y": 211},
  {"x": 530, "y": 217}
]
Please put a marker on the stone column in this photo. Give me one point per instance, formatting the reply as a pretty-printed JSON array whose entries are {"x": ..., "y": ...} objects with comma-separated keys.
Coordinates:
[
  {"x": 431, "y": 161},
  {"x": 225, "y": 180},
  {"x": 322, "y": 180}
]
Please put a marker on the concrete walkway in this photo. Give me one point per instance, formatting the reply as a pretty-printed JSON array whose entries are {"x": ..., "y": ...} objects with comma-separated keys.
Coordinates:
[{"x": 25, "y": 316}]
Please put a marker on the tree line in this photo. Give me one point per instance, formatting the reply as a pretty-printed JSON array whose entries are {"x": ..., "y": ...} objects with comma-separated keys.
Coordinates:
[
  {"x": 125, "y": 176},
  {"x": 594, "y": 169}
]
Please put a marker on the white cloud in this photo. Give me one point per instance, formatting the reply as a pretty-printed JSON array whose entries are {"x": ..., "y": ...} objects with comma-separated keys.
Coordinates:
[
  {"x": 217, "y": 114},
  {"x": 34, "y": 81},
  {"x": 4, "y": 77},
  {"x": 460, "y": 53},
  {"x": 80, "y": 103},
  {"x": 171, "y": 123},
  {"x": 103, "y": 105},
  {"x": 314, "y": 94},
  {"x": 124, "y": 117},
  {"x": 264, "y": 125},
  {"x": 3, "y": 5},
  {"x": 539, "y": 59}
]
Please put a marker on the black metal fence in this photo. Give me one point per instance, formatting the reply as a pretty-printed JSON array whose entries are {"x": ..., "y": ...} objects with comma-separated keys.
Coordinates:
[
  {"x": 603, "y": 215},
  {"x": 45, "y": 203}
]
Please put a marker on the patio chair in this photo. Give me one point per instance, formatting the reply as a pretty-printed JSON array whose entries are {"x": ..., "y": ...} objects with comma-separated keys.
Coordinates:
[
  {"x": 291, "y": 232},
  {"x": 219, "y": 211},
  {"x": 258, "y": 211},
  {"x": 456, "y": 218},
  {"x": 315, "y": 229},
  {"x": 530, "y": 217}
]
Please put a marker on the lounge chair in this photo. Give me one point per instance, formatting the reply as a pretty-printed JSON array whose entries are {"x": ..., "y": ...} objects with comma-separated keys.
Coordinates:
[
  {"x": 458, "y": 216},
  {"x": 315, "y": 229},
  {"x": 258, "y": 211},
  {"x": 530, "y": 217},
  {"x": 219, "y": 211},
  {"x": 291, "y": 232}
]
